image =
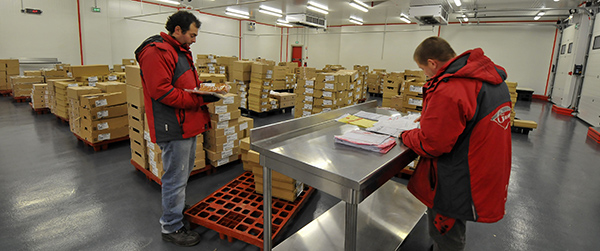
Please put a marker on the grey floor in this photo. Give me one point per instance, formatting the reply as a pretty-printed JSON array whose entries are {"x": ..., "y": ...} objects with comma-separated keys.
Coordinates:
[{"x": 57, "y": 194}]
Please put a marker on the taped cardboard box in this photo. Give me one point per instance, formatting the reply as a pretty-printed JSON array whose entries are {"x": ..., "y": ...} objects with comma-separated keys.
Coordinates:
[
  {"x": 103, "y": 99},
  {"x": 111, "y": 87},
  {"x": 84, "y": 71},
  {"x": 104, "y": 124},
  {"x": 108, "y": 134},
  {"x": 76, "y": 92},
  {"x": 132, "y": 74},
  {"x": 103, "y": 112},
  {"x": 216, "y": 140},
  {"x": 218, "y": 132},
  {"x": 221, "y": 147},
  {"x": 223, "y": 124}
]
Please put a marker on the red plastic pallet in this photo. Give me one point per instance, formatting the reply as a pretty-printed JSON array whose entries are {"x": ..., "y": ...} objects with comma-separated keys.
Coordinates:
[
  {"x": 63, "y": 120},
  {"x": 102, "y": 145},
  {"x": 39, "y": 110},
  {"x": 150, "y": 176},
  {"x": 21, "y": 99},
  {"x": 5, "y": 93},
  {"x": 594, "y": 134},
  {"x": 235, "y": 211},
  {"x": 563, "y": 111}
]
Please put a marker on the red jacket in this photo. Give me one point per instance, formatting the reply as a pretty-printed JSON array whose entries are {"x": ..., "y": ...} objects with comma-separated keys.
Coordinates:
[
  {"x": 464, "y": 140},
  {"x": 167, "y": 68}
]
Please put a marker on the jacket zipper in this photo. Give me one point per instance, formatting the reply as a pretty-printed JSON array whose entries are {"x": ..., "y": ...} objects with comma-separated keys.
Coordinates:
[{"x": 432, "y": 177}]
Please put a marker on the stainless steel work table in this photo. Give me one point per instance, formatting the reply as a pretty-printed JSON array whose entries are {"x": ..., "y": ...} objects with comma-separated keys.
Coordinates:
[{"x": 304, "y": 149}]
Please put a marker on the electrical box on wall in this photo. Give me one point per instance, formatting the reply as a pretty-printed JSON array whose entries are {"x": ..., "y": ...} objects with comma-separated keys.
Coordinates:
[{"x": 32, "y": 11}]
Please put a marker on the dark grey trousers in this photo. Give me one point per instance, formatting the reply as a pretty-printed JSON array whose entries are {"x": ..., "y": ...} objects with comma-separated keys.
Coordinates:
[{"x": 453, "y": 240}]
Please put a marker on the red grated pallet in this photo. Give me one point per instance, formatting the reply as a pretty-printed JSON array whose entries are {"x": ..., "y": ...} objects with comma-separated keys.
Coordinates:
[
  {"x": 39, "y": 110},
  {"x": 61, "y": 119},
  {"x": 235, "y": 211},
  {"x": 22, "y": 99},
  {"x": 594, "y": 134},
  {"x": 150, "y": 176},
  {"x": 5, "y": 93},
  {"x": 102, "y": 145},
  {"x": 563, "y": 111}
]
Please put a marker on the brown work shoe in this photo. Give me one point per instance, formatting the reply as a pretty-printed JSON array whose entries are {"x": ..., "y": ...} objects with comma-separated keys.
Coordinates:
[{"x": 182, "y": 237}]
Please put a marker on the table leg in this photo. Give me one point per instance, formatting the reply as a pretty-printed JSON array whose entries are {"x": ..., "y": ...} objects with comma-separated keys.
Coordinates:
[
  {"x": 267, "y": 206},
  {"x": 351, "y": 226}
]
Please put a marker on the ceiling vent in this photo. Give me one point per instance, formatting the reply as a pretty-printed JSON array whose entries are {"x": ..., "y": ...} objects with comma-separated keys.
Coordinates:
[
  {"x": 307, "y": 20},
  {"x": 429, "y": 15}
]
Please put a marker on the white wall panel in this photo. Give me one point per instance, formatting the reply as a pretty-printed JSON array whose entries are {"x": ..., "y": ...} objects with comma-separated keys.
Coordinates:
[
  {"x": 53, "y": 34},
  {"x": 320, "y": 48},
  {"x": 524, "y": 51},
  {"x": 589, "y": 104},
  {"x": 96, "y": 33},
  {"x": 264, "y": 42}
]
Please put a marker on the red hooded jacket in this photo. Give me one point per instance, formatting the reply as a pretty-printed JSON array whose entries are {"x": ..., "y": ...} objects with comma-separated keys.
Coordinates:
[
  {"x": 464, "y": 140},
  {"x": 167, "y": 68}
]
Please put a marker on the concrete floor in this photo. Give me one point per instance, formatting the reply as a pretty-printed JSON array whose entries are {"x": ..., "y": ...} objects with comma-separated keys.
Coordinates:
[{"x": 57, "y": 194}]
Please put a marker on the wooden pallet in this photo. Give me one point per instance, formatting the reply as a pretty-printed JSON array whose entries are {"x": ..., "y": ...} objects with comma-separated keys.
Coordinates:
[
  {"x": 22, "y": 99},
  {"x": 5, "y": 93},
  {"x": 102, "y": 145},
  {"x": 62, "y": 120}
]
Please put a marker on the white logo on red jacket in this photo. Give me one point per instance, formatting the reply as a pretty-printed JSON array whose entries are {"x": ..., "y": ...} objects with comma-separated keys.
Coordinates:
[{"x": 502, "y": 117}]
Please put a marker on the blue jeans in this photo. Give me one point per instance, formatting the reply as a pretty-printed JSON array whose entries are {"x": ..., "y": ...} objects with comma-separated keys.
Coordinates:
[{"x": 178, "y": 160}]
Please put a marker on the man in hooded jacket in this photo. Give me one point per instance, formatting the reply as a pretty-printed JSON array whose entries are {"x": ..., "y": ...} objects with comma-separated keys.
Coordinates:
[{"x": 464, "y": 141}]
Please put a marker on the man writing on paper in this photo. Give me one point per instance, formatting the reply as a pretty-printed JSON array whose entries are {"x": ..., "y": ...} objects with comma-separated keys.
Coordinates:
[
  {"x": 464, "y": 141},
  {"x": 175, "y": 116}
]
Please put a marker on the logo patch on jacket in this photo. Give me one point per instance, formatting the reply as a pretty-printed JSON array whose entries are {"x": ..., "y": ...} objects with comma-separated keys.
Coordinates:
[{"x": 502, "y": 117}]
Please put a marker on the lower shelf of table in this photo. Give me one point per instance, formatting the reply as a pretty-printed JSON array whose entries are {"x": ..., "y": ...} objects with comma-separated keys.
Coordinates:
[{"x": 385, "y": 218}]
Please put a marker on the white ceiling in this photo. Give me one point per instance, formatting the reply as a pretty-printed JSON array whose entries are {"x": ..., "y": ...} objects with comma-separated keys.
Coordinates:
[{"x": 389, "y": 11}]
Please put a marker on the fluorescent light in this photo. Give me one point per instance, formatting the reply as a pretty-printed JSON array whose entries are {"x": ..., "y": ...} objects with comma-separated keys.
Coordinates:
[
  {"x": 237, "y": 13},
  {"x": 403, "y": 19},
  {"x": 284, "y": 21},
  {"x": 556, "y": 0},
  {"x": 359, "y": 7},
  {"x": 356, "y": 20},
  {"x": 269, "y": 12},
  {"x": 169, "y": 2},
  {"x": 318, "y": 5},
  {"x": 457, "y": 2},
  {"x": 310, "y": 7},
  {"x": 361, "y": 4},
  {"x": 536, "y": 18},
  {"x": 465, "y": 18},
  {"x": 271, "y": 9},
  {"x": 283, "y": 24},
  {"x": 539, "y": 15}
]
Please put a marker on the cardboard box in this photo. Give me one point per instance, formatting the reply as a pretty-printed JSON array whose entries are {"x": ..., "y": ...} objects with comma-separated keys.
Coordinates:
[
  {"x": 212, "y": 78},
  {"x": 228, "y": 99},
  {"x": 135, "y": 96},
  {"x": 110, "y": 87},
  {"x": 215, "y": 156},
  {"x": 412, "y": 102},
  {"x": 242, "y": 66},
  {"x": 222, "y": 147},
  {"x": 411, "y": 87},
  {"x": 245, "y": 144},
  {"x": 276, "y": 184},
  {"x": 33, "y": 73},
  {"x": 262, "y": 69},
  {"x": 25, "y": 79},
  {"x": 225, "y": 116},
  {"x": 129, "y": 61},
  {"x": 103, "y": 112},
  {"x": 101, "y": 135},
  {"x": 84, "y": 71},
  {"x": 239, "y": 75},
  {"x": 218, "y": 132},
  {"x": 245, "y": 124},
  {"x": 104, "y": 124},
  {"x": 258, "y": 171},
  {"x": 217, "y": 163},
  {"x": 223, "y": 124},
  {"x": 132, "y": 73},
  {"x": 77, "y": 91},
  {"x": 214, "y": 140},
  {"x": 102, "y": 99}
]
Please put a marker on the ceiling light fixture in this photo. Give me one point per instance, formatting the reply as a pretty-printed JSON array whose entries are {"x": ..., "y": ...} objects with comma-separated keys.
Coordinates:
[
  {"x": 405, "y": 18},
  {"x": 465, "y": 18},
  {"x": 359, "y": 5},
  {"x": 457, "y": 2},
  {"x": 356, "y": 20},
  {"x": 284, "y": 24},
  {"x": 270, "y": 11},
  {"x": 317, "y": 7},
  {"x": 237, "y": 13},
  {"x": 556, "y": 0},
  {"x": 169, "y": 2},
  {"x": 539, "y": 15},
  {"x": 284, "y": 21}
]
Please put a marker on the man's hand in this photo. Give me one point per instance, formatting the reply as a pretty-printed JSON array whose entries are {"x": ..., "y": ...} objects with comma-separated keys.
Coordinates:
[{"x": 418, "y": 119}]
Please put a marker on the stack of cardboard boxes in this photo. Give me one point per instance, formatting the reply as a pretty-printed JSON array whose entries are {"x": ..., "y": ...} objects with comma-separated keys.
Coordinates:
[
  {"x": 51, "y": 90},
  {"x": 135, "y": 112},
  {"x": 260, "y": 86},
  {"x": 363, "y": 71},
  {"x": 99, "y": 116},
  {"x": 354, "y": 88},
  {"x": 221, "y": 142},
  {"x": 207, "y": 64},
  {"x": 212, "y": 78},
  {"x": 39, "y": 98},
  {"x": 391, "y": 87},
  {"x": 240, "y": 73},
  {"x": 61, "y": 101},
  {"x": 282, "y": 187},
  {"x": 36, "y": 73},
  {"x": 155, "y": 162},
  {"x": 284, "y": 99},
  {"x": 21, "y": 85},
  {"x": 50, "y": 74},
  {"x": 226, "y": 63},
  {"x": 512, "y": 88},
  {"x": 8, "y": 68},
  {"x": 411, "y": 98},
  {"x": 304, "y": 97}
]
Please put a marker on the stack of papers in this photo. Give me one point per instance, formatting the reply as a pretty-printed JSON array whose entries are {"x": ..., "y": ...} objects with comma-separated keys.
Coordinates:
[
  {"x": 393, "y": 126},
  {"x": 367, "y": 141}
]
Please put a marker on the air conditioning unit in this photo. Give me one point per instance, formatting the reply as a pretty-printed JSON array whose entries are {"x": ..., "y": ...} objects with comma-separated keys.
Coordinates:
[
  {"x": 307, "y": 20},
  {"x": 429, "y": 15}
]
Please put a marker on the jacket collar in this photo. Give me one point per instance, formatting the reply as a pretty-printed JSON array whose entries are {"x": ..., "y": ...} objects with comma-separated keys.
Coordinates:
[{"x": 172, "y": 41}]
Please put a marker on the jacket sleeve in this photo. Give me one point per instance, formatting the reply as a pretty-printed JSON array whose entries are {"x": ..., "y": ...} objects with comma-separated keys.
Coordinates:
[
  {"x": 157, "y": 72},
  {"x": 441, "y": 124}
]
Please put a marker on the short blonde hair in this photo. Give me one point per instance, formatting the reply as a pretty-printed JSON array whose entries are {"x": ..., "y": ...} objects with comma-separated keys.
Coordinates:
[{"x": 433, "y": 48}]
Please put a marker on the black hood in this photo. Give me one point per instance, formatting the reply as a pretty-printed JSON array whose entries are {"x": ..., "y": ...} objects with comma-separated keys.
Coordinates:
[{"x": 152, "y": 39}]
